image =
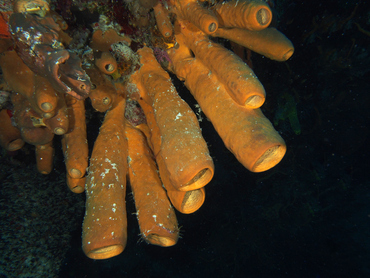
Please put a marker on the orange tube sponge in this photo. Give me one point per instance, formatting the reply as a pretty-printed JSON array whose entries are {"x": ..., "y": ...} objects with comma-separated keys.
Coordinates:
[
  {"x": 187, "y": 201},
  {"x": 105, "y": 62},
  {"x": 17, "y": 75},
  {"x": 60, "y": 122},
  {"x": 104, "y": 228},
  {"x": 163, "y": 20},
  {"x": 184, "y": 201},
  {"x": 247, "y": 133},
  {"x": 268, "y": 42},
  {"x": 44, "y": 158},
  {"x": 241, "y": 82},
  {"x": 201, "y": 17},
  {"x": 37, "y": 94},
  {"x": 248, "y": 14},
  {"x": 10, "y": 137},
  {"x": 36, "y": 89},
  {"x": 74, "y": 142},
  {"x": 156, "y": 217},
  {"x": 46, "y": 97},
  {"x": 153, "y": 135},
  {"x": 25, "y": 118},
  {"x": 183, "y": 148},
  {"x": 150, "y": 129},
  {"x": 76, "y": 185},
  {"x": 103, "y": 93},
  {"x": 36, "y": 135}
]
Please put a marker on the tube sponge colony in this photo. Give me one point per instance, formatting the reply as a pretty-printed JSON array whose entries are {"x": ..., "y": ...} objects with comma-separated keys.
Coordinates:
[{"x": 119, "y": 62}]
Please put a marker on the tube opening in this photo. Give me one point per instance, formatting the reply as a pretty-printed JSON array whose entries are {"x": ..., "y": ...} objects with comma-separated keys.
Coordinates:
[
  {"x": 59, "y": 131},
  {"x": 109, "y": 67},
  {"x": 192, "y": 201},
  {"x": 77, "y": 189},
  {"x": 288, "y": 54},
  {"x": 105, "y": 252},
  {"x": 159, "y": 240},
  {"x": 269, "y": 158},
  {"x": 47, "y": 115},
  {"x": 263, "y": 16},
  {"x": 75, "y": 173},
  {"x": 46, "y": 106},
  {"x": 203, "y": 177},
  {"x": 255, "y": 101},
  {"x": 212, "y": 27},
  {"x": 15, "y": 145},
  {"x": 106, "y": 100}
]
